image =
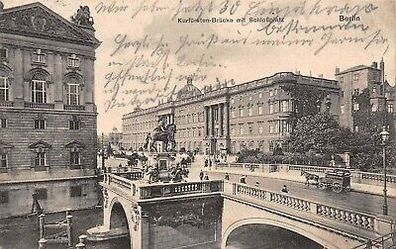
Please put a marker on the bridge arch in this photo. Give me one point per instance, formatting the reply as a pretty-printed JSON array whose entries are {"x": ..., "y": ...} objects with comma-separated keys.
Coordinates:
[
  {"x": 119, "y": 215},
  {"x": 276, "y": 223}
]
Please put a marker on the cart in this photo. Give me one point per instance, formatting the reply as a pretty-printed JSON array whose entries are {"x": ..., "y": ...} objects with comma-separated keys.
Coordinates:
[{"x": 337, "y": 180}]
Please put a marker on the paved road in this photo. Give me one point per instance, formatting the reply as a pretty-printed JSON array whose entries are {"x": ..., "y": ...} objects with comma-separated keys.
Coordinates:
[{"x": 353, "y": 200}]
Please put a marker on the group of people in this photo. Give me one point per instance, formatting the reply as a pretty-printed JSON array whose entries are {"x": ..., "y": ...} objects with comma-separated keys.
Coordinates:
[{"x": 203, "y": 176}]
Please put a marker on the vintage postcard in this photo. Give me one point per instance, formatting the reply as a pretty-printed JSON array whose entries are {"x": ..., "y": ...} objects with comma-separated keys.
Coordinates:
[{"x": 202, "y": 124}]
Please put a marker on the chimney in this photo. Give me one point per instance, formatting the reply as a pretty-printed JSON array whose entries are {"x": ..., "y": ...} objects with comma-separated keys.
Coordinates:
[
  {"x": 382, "y": 68},
  {"x": 337, "y": 70},
  {"x": 320, "y": 76},
  {"x": 374, "y": 64}
]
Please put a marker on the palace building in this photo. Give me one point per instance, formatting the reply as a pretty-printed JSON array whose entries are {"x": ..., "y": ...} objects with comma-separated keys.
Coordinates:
[
  {"x": 47, "y": 110},
  {"x": 225, "y": 118}
]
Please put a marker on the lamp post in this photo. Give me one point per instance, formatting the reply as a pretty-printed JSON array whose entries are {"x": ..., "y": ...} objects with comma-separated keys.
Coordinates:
[
  {"x": 384, "y": 136},
  {"x": 103, "y": 159}
]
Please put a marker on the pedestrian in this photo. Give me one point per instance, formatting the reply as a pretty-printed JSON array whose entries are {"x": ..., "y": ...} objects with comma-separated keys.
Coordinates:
[
  {"x": 227, "y": 176},
  {"x": 257, "y": 184},
  {"x": 206, "y": 178},
  {"x": 120, "y": 165},
  {"x": 242, "y": 179},
  {"x": 201, "y": 175},
  {"x": 284, "y": 189},
  {"x": 206, "y": 162}
]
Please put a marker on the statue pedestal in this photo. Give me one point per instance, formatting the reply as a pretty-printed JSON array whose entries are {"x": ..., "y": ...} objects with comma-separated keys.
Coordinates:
[{"x": 164, "y": 161}]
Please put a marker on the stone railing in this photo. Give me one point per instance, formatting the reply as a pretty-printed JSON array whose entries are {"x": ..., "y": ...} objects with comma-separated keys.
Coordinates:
[
  {"x": 144, "y": 191},
  {"x": 39, "y": 105},
  {"x": 385, "y": 241},
  {"x": 357, "y": 176},
  {"x": 353, "y": 218},
  {"x": 6, "y": 104},
  {"x": 177, "y": 189},
  {"x": 376, "y": 177},
  {"x": 74, "y": 107}
]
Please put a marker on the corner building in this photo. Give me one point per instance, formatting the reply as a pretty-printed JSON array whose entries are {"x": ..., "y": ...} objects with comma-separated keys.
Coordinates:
[
  {"x": 220, "y": 119},
  {"x": 47, "y": 110}
]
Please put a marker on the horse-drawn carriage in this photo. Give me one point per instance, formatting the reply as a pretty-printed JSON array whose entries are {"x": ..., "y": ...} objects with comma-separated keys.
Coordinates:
[{"x": 338, "y": 180}]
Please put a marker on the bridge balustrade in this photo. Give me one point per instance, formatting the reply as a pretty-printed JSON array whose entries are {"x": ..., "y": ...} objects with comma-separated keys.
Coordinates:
[
  {"x": 377, "y": 177},
  {"x": 175, "y": 189},
  {"x": 356, "y": 219}
]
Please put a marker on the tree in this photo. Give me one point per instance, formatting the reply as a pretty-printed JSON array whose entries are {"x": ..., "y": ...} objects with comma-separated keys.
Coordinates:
[{"x": 315, "y": 133}]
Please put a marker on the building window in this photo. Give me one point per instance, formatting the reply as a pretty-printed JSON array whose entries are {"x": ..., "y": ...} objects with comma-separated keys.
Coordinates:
[
  {"x": 39, "y": 91},
  {"x": 3, "y": 53},
  {"x": 233, "y": 113},
  {"x": 41, "y": 194},
  {"x": 3, "y": 161},
  {"x": 342, "y": 109},
  {"x": 73, "y": 94},
  {"x": 260, "y": 95},
  {"x": 241, "y": 113},
  {"x": 241, "y": 131},
  {"x": 356, "y": 106},
  {"x": 374, "y": 90},
  {"x": 75, "y": 191},
  {"x": 39, "y": 124},
  {"x": 284, "y": 105},
  {"x": 73, "y": 61},
  {"x": 261, "y": 130},
  {"x": 374, "y": 107},
  {"x": 356, "y": 128},
  {"x": 356, "y": 91},
  {"x": 38, "y": 57},
  {"x": 271, "y": 108},
  {"x": 4, "y": 89},
  {"x": 250, "y": 129},
  {"x": 260, "y": 110},
  {"x": 40, "y": 159},
  {"x": 74, "y": 124},
  {"x": 250, "y": 111},
  {"x": 4, "y": 197},
  {"x": 390, "y": 107},
  {"x": 284, "y": 126},
  {"x": 3, "y": 123},
  {"x": 271, "y": 145},
  {"x": 74, "y": 158},
  {"x": 271, "y": 93},
  {"x": 356, "y": 77}
]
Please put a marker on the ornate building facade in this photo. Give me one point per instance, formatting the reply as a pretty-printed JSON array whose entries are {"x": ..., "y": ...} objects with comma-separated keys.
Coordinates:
[
  {"x": 47, "y": 110},
  {"x": 367, "y": 100},
  {"x": 220, "y": 119}
]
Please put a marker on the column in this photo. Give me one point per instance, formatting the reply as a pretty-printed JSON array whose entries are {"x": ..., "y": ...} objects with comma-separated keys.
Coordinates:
[
  {"x": 206, "y": 132},
  {"x": 18, "y": 83},
  {"x": 89, "y": 90},
  {"x": 227, "y": 119},
  {"x": 211, "y": 121},
  {"x": 221, "y": 113},
  {"x": 58, "y": 84}
]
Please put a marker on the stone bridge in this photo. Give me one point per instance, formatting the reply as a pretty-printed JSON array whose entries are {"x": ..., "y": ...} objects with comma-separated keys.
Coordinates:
[{"x": 204, "y": 214}]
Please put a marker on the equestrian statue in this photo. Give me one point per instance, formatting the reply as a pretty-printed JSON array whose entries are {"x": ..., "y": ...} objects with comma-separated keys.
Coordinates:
[{"x": 163, "y": 133}]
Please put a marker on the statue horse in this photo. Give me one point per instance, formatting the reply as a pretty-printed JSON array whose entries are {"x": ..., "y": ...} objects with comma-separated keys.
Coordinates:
[
  {"x": 310, "y": 177},
  {"x": 167, "y": 137}
]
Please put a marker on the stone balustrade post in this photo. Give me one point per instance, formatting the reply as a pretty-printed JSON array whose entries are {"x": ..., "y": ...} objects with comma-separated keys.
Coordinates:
[
  {"x": 383, "y": 224},
  {"x": 69, "y": 230},
  {"x": 313, "y": 208},
  {"x": 42, "y": 243},
  {"x": 268, "y": 196},
  {"x": 41, "y": 225},
  {"x": 82, "y": 239},
  {"x": 234, "y": 188}
]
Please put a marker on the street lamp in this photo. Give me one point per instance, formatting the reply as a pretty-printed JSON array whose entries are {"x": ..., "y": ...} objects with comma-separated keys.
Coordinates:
[{"x": 384, "y": 136}]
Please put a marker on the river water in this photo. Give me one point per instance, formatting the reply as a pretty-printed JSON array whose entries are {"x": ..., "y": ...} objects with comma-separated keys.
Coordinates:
[{"x": 23, "y": 233}]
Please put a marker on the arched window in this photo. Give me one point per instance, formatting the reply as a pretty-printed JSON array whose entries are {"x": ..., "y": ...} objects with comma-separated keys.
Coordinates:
[
  {"x": 73, "y": 83},
  {"x": 5, "y": 82},
  {"x": 39, "y": 80}
]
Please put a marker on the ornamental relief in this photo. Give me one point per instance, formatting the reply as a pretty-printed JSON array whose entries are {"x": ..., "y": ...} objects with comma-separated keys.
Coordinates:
[{"x": 37, "y": 20}]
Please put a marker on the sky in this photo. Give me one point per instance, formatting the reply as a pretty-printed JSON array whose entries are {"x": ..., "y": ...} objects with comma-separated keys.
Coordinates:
[{"x": 150, "y": 47}]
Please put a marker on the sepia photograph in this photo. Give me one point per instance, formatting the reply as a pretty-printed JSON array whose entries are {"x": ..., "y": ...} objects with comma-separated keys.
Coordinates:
[{"x": 197, "y": 124}]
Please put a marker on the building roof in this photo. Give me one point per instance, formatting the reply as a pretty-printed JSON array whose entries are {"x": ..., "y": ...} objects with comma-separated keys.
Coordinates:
[
  {"x": 37, "y": 20},
  {"x": 188, "y": 91},
  {"x": 356, "y": 68}
]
